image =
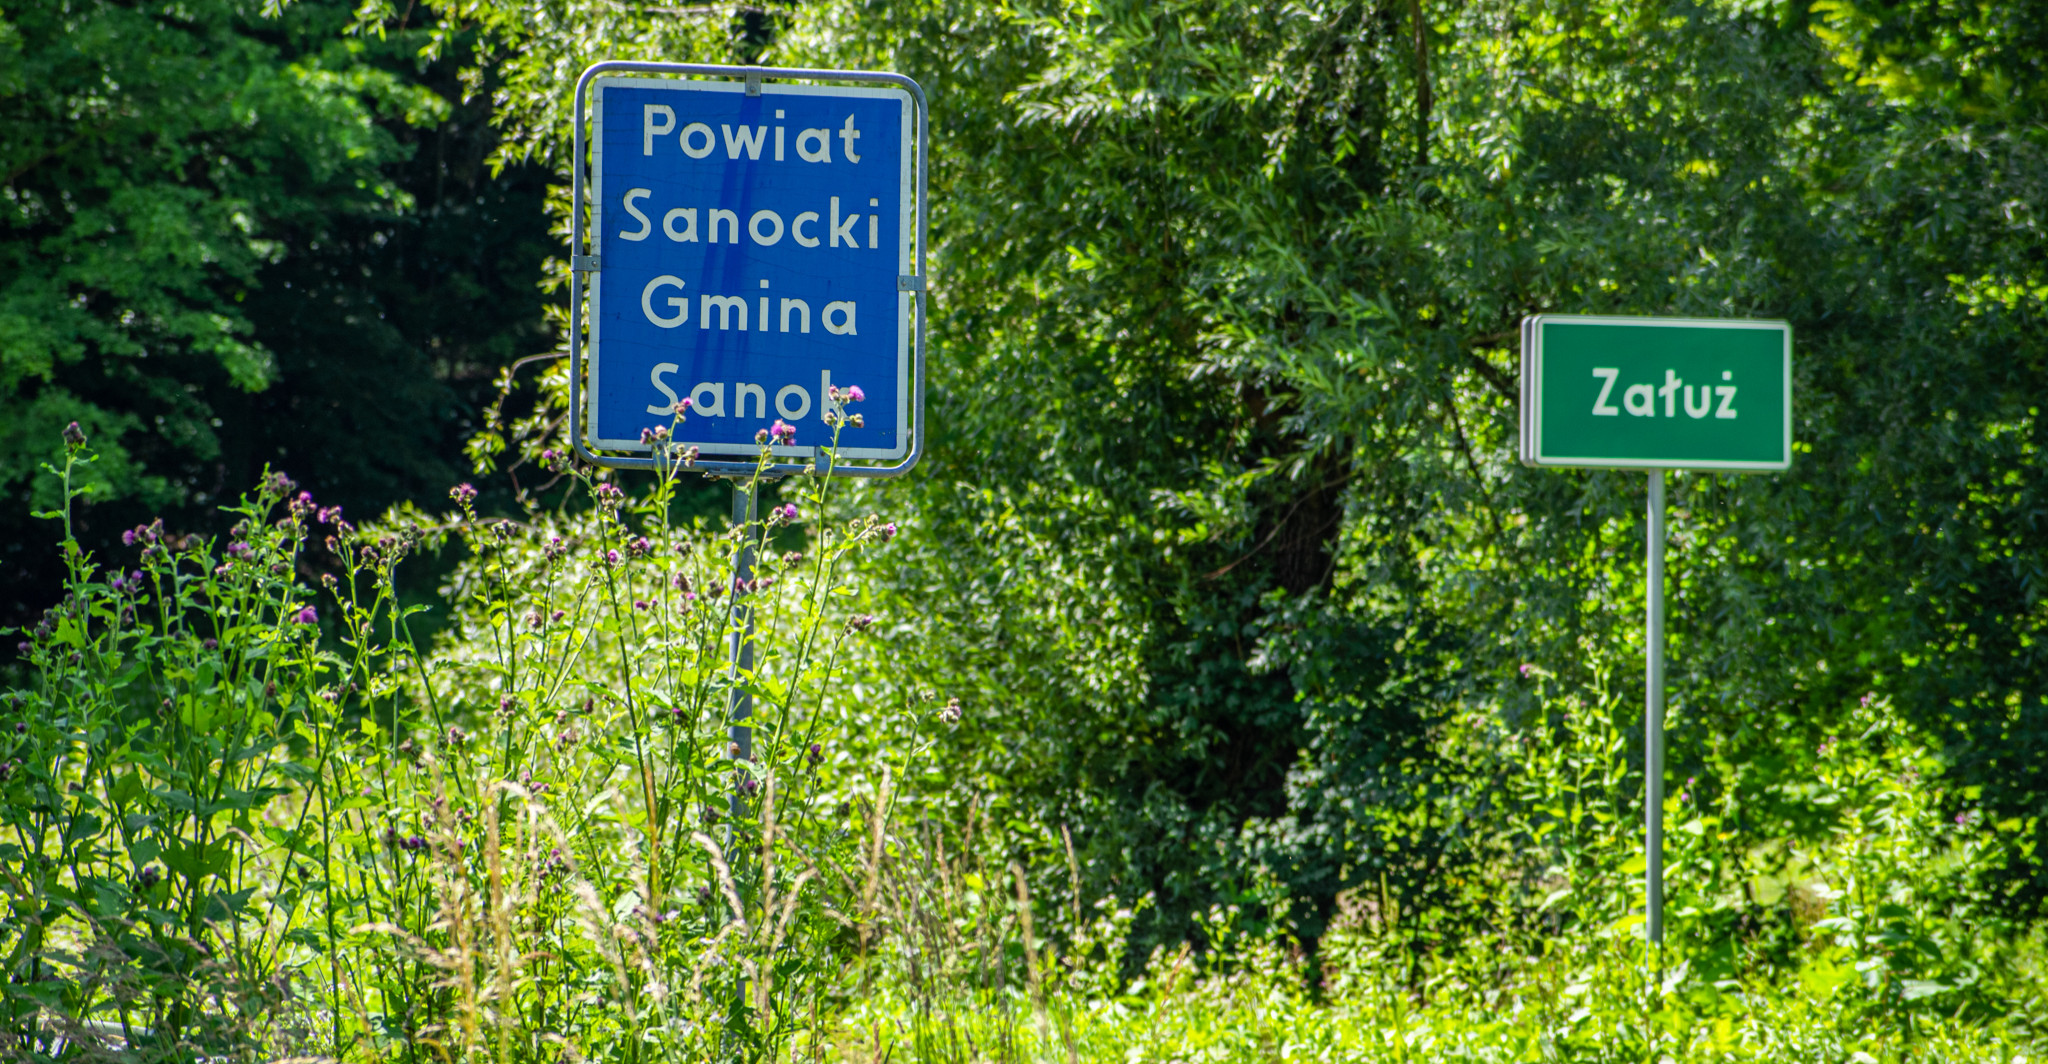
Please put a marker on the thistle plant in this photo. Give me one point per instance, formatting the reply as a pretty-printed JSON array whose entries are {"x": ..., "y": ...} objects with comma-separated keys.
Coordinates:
[
  {"x": 247, "y": 817},
  {"x": 600, "y": 859},
  {"x": 159, "y": 825}
]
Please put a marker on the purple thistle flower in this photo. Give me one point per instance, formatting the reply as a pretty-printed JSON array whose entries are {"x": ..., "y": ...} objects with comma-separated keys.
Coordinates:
[
  {"x": 128, "y": 538},
  {"x": 789, "y": 512},
  {"x": 682, "y": 405},
  {"x": 611, "y": 557},
  {"x": 307, "y": 616},
  {"x": 855, "y": 395}
]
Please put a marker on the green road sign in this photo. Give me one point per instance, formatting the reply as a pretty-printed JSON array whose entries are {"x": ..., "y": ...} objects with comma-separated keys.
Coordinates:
[{"x": 1656, "y": 393}]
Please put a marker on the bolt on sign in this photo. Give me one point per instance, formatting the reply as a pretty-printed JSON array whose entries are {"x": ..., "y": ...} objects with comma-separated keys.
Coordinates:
[
  {"x": 1656, "y": 393},
  {"x": 757, "y": 246}
]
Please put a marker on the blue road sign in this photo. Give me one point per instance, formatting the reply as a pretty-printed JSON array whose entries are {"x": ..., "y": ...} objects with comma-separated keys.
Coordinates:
[{"x": 752, "y": 249}]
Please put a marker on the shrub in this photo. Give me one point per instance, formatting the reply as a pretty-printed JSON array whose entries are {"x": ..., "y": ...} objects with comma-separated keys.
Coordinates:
[{"x": 545, "y": 840}]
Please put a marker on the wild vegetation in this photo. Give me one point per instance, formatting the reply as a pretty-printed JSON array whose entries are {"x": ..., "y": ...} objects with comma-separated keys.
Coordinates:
[{"x": 1220, "y": 688}]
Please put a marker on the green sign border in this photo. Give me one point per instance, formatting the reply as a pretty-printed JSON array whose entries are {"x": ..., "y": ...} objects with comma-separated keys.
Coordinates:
[{"x": 1532, "y": 391}]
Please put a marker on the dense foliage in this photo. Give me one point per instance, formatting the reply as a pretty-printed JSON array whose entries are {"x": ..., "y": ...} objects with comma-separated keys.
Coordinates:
[
  {"x": 542, "y": 841},
  {"x": 223, "y": 838},
  {"x": 235, "y": 237},
  {"x": 1226, "y": 619},
  {"x": 1224, "y": 537}
]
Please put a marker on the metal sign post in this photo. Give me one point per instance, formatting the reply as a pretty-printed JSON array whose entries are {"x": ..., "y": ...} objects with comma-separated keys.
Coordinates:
[
  {"x": 1656, "y": 394},
  {"x": 1653, "y": 718},
  {"x": 746, "y": 509}
]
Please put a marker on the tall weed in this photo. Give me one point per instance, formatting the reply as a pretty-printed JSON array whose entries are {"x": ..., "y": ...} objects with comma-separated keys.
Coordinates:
[{"x": 547, "y": 840}]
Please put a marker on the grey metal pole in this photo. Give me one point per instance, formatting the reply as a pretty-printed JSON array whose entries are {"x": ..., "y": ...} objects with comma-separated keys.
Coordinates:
[
  {"x": 745, "y": 508},
  {"x": 1653, "y": 719}
]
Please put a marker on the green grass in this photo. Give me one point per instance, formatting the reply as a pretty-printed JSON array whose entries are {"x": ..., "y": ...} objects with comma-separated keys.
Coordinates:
[{"x": 1551, "y": 1011}]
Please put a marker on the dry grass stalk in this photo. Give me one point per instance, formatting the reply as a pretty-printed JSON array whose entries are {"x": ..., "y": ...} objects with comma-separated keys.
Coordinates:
[{"x": 722, "y": 872}]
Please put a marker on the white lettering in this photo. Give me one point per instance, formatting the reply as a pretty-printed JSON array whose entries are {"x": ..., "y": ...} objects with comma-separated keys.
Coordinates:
[
  {"x": 689, "y": 217},
  {"x": 796, "y": 228},
  {"x": 680, "y": 303},
  {"x": 1640, "y": 399},
  {"x": 842, "y": 231},
  {"x": 1670, "y": 393},
  {"x": 748, "y": 140},
  {"x": 689, "y": 139},
  {"x": 714, "y": 408},
  {"x": 646, "y": 226},
  {"x": 782, "y": 402},
  {"x": 825, "y": 390},
  {"x": 739, "y": 399},
  {"x": 754, "y": 228},
  {"x": 1727, "y": 394},
  {"x": 662, "y": 369},
  {"x": 1706, "y": 401},
  {"x": 731, "y": 220},
  {"x": 820, "y": 137},
  {"x": 843, "y": 308},
  {"x": 1601, "y": 407},
  {"x": 726, "y": 305},
  {"x": 847, "y": 135},
  {"x": 778, "y": 139},
  {"x": 803, "y": 310},
  {"x": 648, "y": 130}
]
